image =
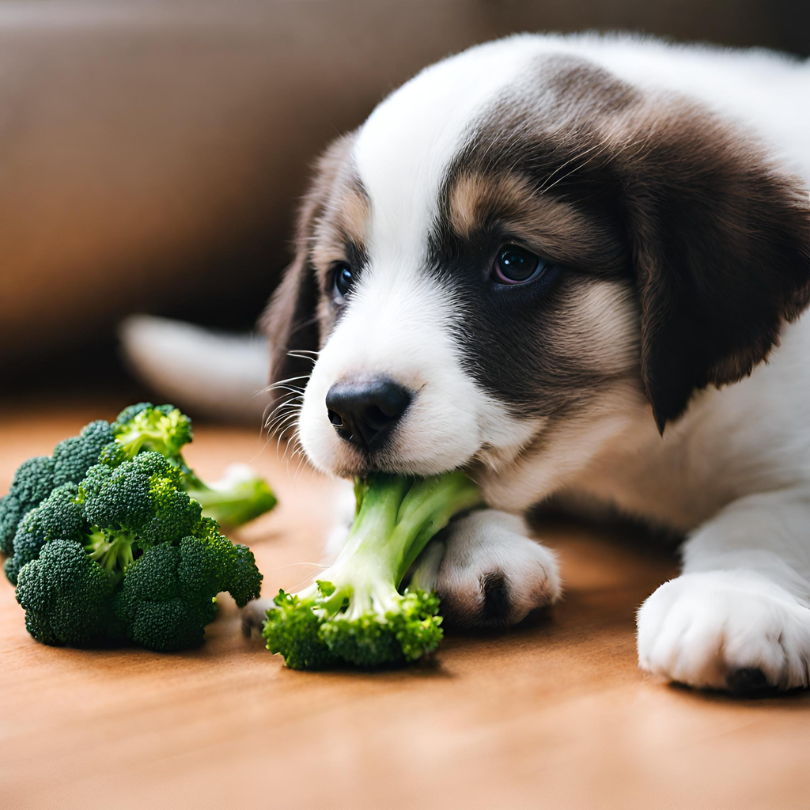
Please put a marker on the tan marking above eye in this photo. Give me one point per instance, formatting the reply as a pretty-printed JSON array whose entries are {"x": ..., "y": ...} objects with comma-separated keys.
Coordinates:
[
  {"x": 549, "y": 226},
  {"x": 353, "y": 216},
  {"x": 474, "y": 197},
  {"x": 344, "y": 217}
]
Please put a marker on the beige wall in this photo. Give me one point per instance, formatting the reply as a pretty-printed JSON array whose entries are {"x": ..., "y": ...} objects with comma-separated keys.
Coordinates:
[{"x": 145, "y": 148}]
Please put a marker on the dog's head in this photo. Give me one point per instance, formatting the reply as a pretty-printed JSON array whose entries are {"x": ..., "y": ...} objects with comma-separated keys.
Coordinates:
[{"x": 516, "y": 248}]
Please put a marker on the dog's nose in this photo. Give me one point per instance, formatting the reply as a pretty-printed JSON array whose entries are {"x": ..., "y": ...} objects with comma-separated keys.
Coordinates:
[{"x": 364, "y": 411}]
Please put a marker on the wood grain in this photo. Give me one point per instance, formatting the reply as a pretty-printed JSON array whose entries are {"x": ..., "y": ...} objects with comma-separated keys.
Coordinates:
[{"x": 554, "y": 715}]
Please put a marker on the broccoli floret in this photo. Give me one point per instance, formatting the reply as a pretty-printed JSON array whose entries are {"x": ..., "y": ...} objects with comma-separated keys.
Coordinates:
[
  {"x": 245, "y": 581},
  {"x": 239, "y": 497},
  {"x": 142, "y": 497},
  {"x": 161, "y": 428},
  {"x": 134, "y": 530},
  {"x": 141, "y": 428},
  {"x": 293, "y": 629},
  {"x": 58, "y": 516},
  {"x": 162, "y": 603},
  {"x": 168, "y": 593},
  {"x": 66, "y": 596},
  {"x": 355, "y": 613},
  {"x": 32, "y": 483},
  {"x": 36, "y": 478},
  {"x": 73, "y": 457}
]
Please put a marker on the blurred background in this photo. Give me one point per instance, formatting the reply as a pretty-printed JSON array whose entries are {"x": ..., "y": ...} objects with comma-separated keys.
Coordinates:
[{"x": 152, "y": 154}]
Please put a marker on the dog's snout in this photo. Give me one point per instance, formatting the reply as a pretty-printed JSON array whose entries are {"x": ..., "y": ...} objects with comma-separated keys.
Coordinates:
[{"x": 364, "y": 412}]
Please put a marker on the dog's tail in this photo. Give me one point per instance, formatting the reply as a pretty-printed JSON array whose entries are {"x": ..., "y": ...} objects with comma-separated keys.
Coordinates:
[{"x": 216, "y": 374}]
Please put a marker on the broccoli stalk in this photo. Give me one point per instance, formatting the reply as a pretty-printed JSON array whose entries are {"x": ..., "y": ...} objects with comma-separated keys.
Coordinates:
[
  {"x": 112, "y": 549},
  {"x": 237, "y": 498},
  {"x": 355, "y": 612}
]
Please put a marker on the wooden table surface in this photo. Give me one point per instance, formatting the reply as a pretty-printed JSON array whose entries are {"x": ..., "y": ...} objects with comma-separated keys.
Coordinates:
[{"x": 554, "y": 715}]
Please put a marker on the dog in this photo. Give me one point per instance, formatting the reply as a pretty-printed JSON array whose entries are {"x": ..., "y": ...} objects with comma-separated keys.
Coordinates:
[{"x": 575, "y": 266}]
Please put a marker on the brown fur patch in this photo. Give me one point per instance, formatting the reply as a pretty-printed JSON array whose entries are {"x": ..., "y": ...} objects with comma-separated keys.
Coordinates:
[
  {"x": 553, "y": 227},
  {"x": 291, "y": 320},
  {"x": 652, "y": 188}
]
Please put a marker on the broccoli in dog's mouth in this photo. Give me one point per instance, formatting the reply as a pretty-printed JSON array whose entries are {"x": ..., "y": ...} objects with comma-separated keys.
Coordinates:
[{"x": 355, "y": 614}]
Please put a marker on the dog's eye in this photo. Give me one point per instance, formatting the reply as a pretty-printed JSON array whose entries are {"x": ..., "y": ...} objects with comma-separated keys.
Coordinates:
[
  {"x": 516, "y": 265},
  {"x": 343, "y": 279}
]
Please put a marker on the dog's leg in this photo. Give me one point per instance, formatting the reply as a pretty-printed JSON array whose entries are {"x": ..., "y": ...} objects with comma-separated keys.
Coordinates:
[
  {"x": 493, "y": 574},
  {"x": 738, "y": 618}
]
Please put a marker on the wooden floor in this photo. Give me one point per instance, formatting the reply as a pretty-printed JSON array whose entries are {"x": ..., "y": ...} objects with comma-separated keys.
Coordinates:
[{"x": 551, "y": 716}]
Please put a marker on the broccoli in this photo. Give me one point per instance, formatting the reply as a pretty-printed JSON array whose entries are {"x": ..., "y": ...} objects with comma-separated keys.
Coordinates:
[
  {"x": 140, "y": 428},
  {"x": 32, "y": 483},
  {"x": 239, "y": 497},
  {"x": 355, "y": 613},
  {"x": 125, "y": 553},
  {"x": 67, "y": 598}
]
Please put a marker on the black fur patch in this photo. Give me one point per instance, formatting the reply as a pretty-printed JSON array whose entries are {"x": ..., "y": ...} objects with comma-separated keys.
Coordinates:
[
  {"x": 497, "y": 600},
  {"x": 749, "y": 682},
  {"x": 680, "y": 207}
]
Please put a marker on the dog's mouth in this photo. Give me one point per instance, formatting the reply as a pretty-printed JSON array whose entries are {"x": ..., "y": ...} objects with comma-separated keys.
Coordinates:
[{"x": 354, "y": 462}]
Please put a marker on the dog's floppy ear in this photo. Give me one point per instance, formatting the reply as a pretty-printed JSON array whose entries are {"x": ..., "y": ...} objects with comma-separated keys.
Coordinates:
[
  {"x": 720, "y": 243},
  {"x": 291, "y": 318}
]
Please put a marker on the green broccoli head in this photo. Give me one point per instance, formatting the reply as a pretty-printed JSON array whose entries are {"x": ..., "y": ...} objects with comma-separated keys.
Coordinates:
[
  {"x": 356, "y": 613},
  {"x": 168, "y": 595},
  {"x": 139, "y": 429},
  {"x": 142, "y": 497},
  {"x": 160, "y": 428},
  {"x": 32, "y": 483},
  {"x": 66, "y": 596},
  {"x": 59, "y": 516},
  {"x": 126, "y": 553},
  {"x": 214, "y": 564},
  {"x": 73, "y": 457},
  {"x": 293, "y": 629},
  {"x": 310, "y": 637}
]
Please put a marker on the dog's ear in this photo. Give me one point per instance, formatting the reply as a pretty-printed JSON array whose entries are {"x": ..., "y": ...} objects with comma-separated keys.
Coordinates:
[
  {"x": 290, "y": 321},
  {"x": 720, "y": 244}
]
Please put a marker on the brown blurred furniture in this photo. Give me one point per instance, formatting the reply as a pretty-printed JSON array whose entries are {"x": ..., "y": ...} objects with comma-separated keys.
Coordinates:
[
  {"x": 151, "y": 153},
  {"x": 550, "y": 716}
]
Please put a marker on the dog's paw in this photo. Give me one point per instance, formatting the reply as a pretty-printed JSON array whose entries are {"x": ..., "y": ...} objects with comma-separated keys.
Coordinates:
[
  {"x": 253, "y": 616},
  {"x": 493, "y": 574},
  {"x": 725, "y": 630}
]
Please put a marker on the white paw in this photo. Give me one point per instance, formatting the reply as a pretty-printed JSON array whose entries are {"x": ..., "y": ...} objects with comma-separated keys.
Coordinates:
[
  {"x": 492, "y": 573},
  {"x": 725, "y": 630},
  {"x": 253, "y": 615}
]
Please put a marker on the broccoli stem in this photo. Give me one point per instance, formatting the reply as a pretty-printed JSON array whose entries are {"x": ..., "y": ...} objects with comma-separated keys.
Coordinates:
[
  {"x": 397, "y": 517},
  {"x": 238, "y": 498},
  {"x": 112, "y": 550}
]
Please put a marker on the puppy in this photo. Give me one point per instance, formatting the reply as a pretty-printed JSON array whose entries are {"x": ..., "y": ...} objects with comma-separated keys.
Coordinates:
[{"x": 575, "y": 267}]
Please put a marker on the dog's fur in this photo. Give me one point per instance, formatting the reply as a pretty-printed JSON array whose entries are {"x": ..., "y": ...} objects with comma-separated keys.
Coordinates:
[{"x": 660, "y": 366}]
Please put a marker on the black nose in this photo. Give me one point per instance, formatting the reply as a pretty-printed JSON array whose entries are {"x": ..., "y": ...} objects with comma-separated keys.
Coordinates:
[{"x": 364, "y": 411}]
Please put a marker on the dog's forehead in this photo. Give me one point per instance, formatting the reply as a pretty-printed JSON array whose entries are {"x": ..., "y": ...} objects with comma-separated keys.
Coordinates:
[{"x": 404, "y": 149}]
